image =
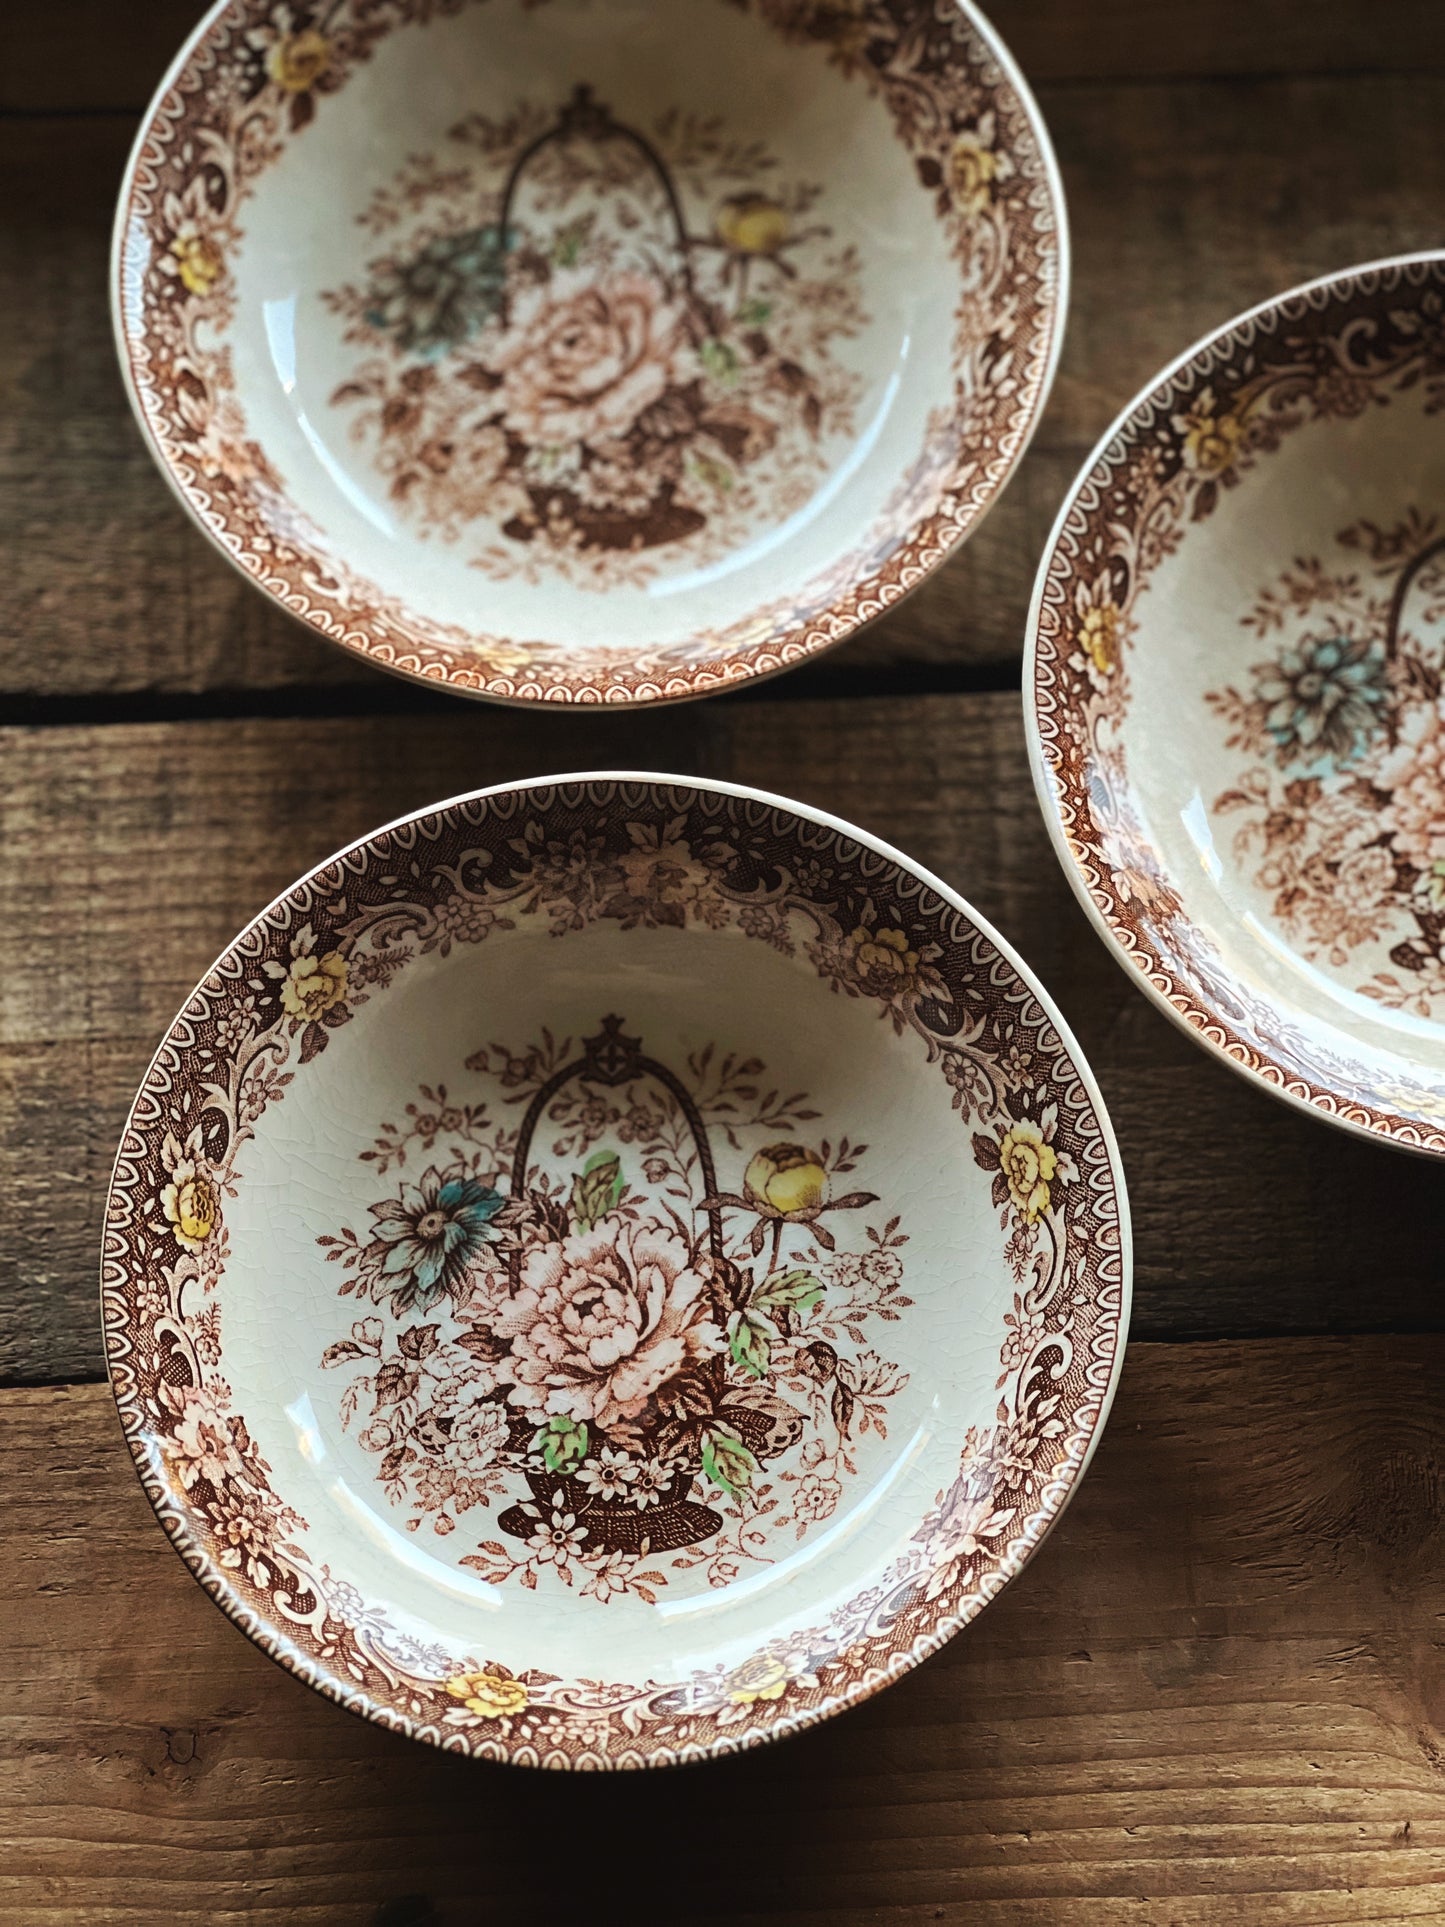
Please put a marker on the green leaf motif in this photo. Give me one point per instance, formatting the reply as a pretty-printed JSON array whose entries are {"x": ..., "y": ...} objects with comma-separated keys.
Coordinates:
[
  {"x": 787, "y": 1291},
  {"x": 570, "y": 240},
  {"x": 720, "y": 360},
  {"x": 562, "y": 1442},
  {"x": 712, "y": 474},
  {"x": 596, "y": 1189},
  {"x": 727, "y": 1461},
  {"x": 752, "y": 314},
  {"x": 749, "y": 1343}
]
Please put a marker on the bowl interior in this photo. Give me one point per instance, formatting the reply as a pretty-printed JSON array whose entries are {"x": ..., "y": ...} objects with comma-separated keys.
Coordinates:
[
  {"x": 1245, "y": 617},
  {"x": 764, "y": 1030},
  {"x": 595, "y": 342},
  {"x": 617, "y": 1285}
]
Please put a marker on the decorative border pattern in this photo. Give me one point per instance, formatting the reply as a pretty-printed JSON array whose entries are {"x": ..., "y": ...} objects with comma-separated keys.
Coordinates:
[
  {"x": 1332, "y": 349},
  {"x": 883, "y": 933},
  {"x": 258, "y": 73}
]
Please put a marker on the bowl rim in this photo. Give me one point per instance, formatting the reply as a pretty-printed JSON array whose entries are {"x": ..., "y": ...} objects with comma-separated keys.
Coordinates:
[
  {"x": 174, "y": 1516},
  {"x": 558, "y": 695},
  {"x": 1193, "y": 1016}
]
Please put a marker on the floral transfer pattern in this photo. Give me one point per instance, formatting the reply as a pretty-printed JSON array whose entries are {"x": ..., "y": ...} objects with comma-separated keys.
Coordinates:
[
  {"x": 598, "y": 343},
  {"x": 627, "y": 855},
  {"x": 266, "y": 69},
  {"x": 646, "y": 1372},
  {"x": 1343, "y": 812},
  {"x": 1332, "y": 352}
]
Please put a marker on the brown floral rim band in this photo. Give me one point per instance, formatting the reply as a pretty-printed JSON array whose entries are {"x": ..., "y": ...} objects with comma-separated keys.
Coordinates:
[
  {"x": 259, "y": 73},
  {"x": 1333, "y": 350},
  {"x": 875, "y": 930}
]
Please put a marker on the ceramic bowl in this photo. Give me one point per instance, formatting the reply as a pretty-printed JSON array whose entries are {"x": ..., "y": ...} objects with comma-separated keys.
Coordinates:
[
  {"x": 589, "y": 350},
  {"x": 609, "y": 1271},
  {"x": 1234, "y": 695}
]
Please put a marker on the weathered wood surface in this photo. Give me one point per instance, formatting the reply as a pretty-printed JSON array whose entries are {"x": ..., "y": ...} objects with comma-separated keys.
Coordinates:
[
  {"x": 1217, "y": 1696},
  {"x": 70, "y": 56},
  {"x": 1188, "y": 201},
  {"x": 132, "y": 854}
]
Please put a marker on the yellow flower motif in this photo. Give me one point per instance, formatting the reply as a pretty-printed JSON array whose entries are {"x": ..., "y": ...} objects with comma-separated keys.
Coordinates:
[
  {"x": 752, "y": 224},
  {"x": 1098, "y": 636},
  {"x": 190, "y": 1204},
  {"x": 491, "y": 1696},
  {"x": 786, "y": 1178},
  {"x": 198, "y": 260},
  {"x": 762, "y": 1678},
  {"x": 882, "y": 955},
  {"x": 1211, "y": 439},
  {"x": 314, "y": 985},
  {"x": 298, "y": 61},
  {"x": 973, "y": 167},
  {"x": 1029, "y": 1164}
]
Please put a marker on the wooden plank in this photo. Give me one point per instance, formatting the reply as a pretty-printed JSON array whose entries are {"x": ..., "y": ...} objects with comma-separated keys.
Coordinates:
[
  {"x": 1188, "y": 202},
  {"x": 70, "y": 57},
  {"x": 1215, "y": 1696},
  {"x": 129, "y": 855}
]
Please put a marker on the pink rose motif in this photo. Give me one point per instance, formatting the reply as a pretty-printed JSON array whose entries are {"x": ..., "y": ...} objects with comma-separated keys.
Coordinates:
[
  {"x": 603, "y": 1320},
  {"x": 1415, "y": 773},
  {"x": 582, "y": 358}
]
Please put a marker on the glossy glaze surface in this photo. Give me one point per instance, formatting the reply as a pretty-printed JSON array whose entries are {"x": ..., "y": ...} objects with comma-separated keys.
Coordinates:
[
  {"x": 589, "y": 350},
  {"x": 611, "y": 1271},
  {"x": 1235, "y": 694}
]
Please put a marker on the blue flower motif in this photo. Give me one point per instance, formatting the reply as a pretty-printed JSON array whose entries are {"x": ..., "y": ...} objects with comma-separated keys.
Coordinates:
[
  {"x": 452, "y": 288},
  {"x": 427, "y": 1240},
  {"x": 1324, "y": 697}
]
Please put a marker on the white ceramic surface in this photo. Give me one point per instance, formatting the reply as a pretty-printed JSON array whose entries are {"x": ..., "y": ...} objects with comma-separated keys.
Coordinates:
[
  {"x": 1234, "y": 692},
  {"x": 604, "y": 1272},
  {"x": 589, "y": 350}
]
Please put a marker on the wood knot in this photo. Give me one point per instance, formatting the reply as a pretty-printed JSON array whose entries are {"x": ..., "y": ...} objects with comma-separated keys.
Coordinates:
[{"x": 1391, "y": 1502}]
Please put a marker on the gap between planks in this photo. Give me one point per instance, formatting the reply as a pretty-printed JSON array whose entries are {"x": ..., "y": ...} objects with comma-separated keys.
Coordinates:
[
  {"x": 70, "y": 59},
  {"x": 130, "y": 857},
  {"x": 110, "y": 590},
  {"x": 385, "y": 695}
]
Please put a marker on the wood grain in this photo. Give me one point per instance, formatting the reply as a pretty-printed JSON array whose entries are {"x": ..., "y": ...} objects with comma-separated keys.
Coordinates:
[
  {"x": 129, "y": 855},
  {"x": 1187, "y": 201},
  {"x": 70, "y": 56},
  {"x": 1216, "y": 1696}
]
